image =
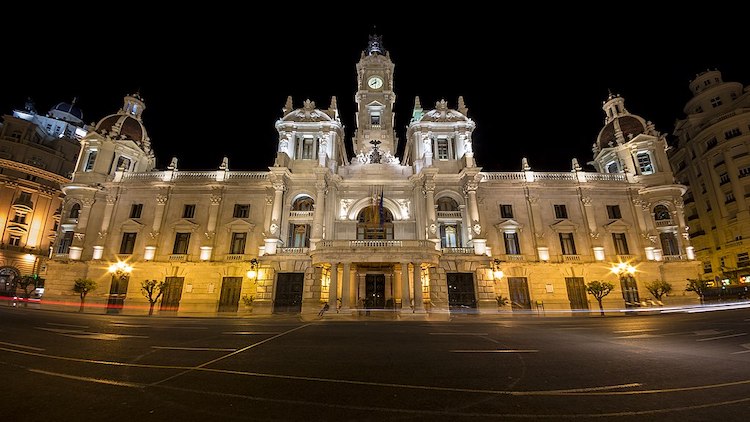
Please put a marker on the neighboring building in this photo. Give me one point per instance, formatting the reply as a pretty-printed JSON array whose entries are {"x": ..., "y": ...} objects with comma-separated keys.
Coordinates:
[
  {"x": 430, "y": 232},
  {"x": 37, "y": 154},
  {"x": 712, "y": 158}
]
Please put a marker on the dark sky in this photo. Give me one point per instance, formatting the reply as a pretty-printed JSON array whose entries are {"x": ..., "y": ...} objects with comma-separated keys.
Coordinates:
[{"x": 215, "y": 90}]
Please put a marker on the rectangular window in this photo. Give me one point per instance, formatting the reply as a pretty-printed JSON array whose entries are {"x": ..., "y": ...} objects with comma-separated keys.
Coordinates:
[
  {"x": 644, "y": 163},
  {"x": 19, "y": 217},
  {"x": 241, "y": 211},
  {"x": 90, "y": 161},
  {"x": 442, "y": 149},
  {"x": 307, "y": 150},
  {"x": 743, "y": 259},
  {"x": 613, "y": 212},
  {"x": 449, "y": 236},
  {"x": 65, "y": 242},
  {"x": 511, "y": 244},
  {"x": 181, "y": 242},
  {"x": 567, "y": 244},
  {"x": 707, "y": 267},
  {"x": 715, "y": 102},
  {"x": 238, "y": 243},
  {"x": 561, "y": 211},
  {"x": 621, "y": 244},
  {"x": 188, "y": 211},
  {"x": 14, "y": 240},
  {"x": 299, "y": 235},
  {"x": 375, "y": 119},
  {"x": 128, "y": 243},
  {"x": 506, "y": 211},
  {"x": 135, "y": 210}
]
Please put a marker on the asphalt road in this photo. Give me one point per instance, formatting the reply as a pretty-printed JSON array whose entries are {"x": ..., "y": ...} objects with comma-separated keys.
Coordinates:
[{"x": 59, "y": 366}]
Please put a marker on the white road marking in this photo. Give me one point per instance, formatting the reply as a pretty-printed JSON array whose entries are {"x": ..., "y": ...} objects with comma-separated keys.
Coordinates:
[
  {"x": 721, "y": 337},
  {"x": 247, "y": 333},
  {"x": 21, "y": 346},
  {"x": 746, "y": 346},
  {"x": 635, "y": 331},
  {"x": 459, "y": 334},
  {"x": 194, "y": 349},
  {"x": 496, "y": 351},
  {"x": 126, "y": 325},
  {"x": 642, "y": 336},
  {"x": 68, "y": 325},
  {"x": 707, "y": 332},
  {"x": 87, "y": 379},
  {"x": 89, "y": 335}
]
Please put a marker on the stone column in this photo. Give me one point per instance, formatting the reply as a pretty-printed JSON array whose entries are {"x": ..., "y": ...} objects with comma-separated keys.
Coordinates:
[
  {"x": 418, "y": 300},
  {"x": 317, "y": 228},
  {"x": 274, "y": 229},
  {"x": 405, "y": 300},
  {"x": 334, "y": 286},
  {"x": 161, "y": 204},
  {"x": 429, "y": 202},
  {"x": 346, "y": 287}
]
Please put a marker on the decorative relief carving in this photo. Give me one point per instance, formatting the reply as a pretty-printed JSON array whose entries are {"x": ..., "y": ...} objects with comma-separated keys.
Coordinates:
[{"x": 161, "y": 199}]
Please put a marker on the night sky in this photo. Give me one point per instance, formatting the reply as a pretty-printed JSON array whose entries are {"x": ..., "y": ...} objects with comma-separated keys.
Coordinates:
[{"x": 535, "y": 92}]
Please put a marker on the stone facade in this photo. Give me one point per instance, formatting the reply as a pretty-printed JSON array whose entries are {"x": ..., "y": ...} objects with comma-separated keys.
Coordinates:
[{"x": 429, "y": 232}]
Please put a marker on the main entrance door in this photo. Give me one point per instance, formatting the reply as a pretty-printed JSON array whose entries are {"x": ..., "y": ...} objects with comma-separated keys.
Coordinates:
[
  {"x": 461, "y": 291},
  {"x": 519, "y": 293},
  {"x": 375, "y": 291},
  {"x": 629, "y": 291},
  {"x": 288, "y": 293},
  {"x": 170, "y": 299},
  {"x": 229, "y": 300},
  {"x": 576, "y": 293},
  {"x": 117, "y": 292}
]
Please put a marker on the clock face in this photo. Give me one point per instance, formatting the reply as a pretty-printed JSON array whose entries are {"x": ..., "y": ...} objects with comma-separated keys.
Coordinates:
[{"x": 375, "y": 82}]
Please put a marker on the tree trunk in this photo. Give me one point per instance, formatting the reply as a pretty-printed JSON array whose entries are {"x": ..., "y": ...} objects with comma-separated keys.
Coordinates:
[
  {"x": 151, "y": 308},
  {"x": 601, "y": 308},
  {"x": 80, "y": 309}
]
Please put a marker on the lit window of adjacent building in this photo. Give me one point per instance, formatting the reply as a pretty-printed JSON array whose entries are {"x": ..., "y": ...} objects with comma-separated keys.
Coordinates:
[
  {"x": 732, "y": 133},
  {"x": 613, "y": 212},
  {"x": 506, "y": 211},
  {"x": 181, "y": 242},
  {"x": 241, "y": 211},
  {"x": 512, "y": 247},
  {"x": 238, "y": 243},
  {"x": 567, "y": 244},
  {"x": 561, "y": 211},
  {"x": 621, "y": 244},
  {"x": 299, "y": 235},
  {"x": 128, "y": 243},
  {"x": 707, "y": 268},
  {"x": 449, "y": 235},
  {"x": 90, "y": 161},
  {"x": 135, "y": 210},
  {"x": 188, "y": 211},
  {"x": 14, "y": 240},
  {"x": 715, "y": 102},
  {"x": 743, "y": 259},
  {"x": 644, "y": 162}
]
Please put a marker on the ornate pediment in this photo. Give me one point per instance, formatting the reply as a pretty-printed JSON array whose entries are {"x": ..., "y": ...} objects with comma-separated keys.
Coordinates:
[
  {"x": 184, "y": 225},
  {"x": 509, "y": 225},
  {"x": 308, "y": 113},
  {"x": 239, "y": 225},
  {"x": 564, "y": 225},
  {"x": 616, "y": 226},
  {"x": 131, "y": 226},
  {"x": 442, "y": 113}
]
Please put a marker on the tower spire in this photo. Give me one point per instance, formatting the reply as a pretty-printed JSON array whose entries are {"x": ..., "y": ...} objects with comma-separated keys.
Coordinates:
[{"x": 375, "y": 45}]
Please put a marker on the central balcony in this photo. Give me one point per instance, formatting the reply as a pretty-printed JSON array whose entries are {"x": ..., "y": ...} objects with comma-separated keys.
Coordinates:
[{"x": 375, "y": 250}]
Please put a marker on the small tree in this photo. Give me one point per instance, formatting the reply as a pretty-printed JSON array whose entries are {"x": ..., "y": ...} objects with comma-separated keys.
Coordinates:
[
  {"x": 658, "y": 288},
  {"x": 501, "y": 301},
  {"x": 28, "y": 284},
  {"x": 599, "y": 289},
  {"x": 83, "y": 286},
  {"x": 698, "y": 286},
  {"x": 152, "y": 290}
]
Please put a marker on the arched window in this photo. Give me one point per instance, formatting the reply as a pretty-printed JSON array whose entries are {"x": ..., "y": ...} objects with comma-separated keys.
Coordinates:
[
  {"x": 75, "y": 211},
  {"x": 304, "y": 203},
  {"x": 375, "y": 222},
  {"x": 447, "y": 204},
  {"x": 661, "y": 213},
  {"x": 644, "y": 162}
]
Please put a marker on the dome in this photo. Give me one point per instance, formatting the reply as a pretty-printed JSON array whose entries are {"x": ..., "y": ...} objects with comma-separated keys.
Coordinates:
[
  {"x": 122, "y": 126},
  {"x": 627, "y": 124},
  {"x": 67, "y": 108}
]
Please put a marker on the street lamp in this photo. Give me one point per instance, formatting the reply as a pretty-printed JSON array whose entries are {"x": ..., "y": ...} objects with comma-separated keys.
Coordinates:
[
  {"x": 121, "y": 270},
  {"x": 496, "y": 271},
  {"x": 252, "y": 273}
]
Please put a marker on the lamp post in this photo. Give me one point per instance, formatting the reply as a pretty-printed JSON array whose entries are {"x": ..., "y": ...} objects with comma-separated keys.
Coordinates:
[
  {"x": 119, "y": 286},
  {"x": 625, "y": 272},
  {"x": 252, "y": 273},
  {"x": 497, "y": 272}
]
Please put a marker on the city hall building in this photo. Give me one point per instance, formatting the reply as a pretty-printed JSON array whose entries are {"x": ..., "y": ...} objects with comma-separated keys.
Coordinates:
[{"x": 428, "y": 232}]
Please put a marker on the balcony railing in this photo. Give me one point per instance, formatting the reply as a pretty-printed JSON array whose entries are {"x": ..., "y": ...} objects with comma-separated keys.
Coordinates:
[
  {"x": 292, "y": 251},
  {"x": 571, "y": 258},
  {"x": 301, "y": 214},
  {"x": 512, "y": 258},
  {"x": 449, "y": 214},
  {"x": 673, "y": 258},
  {"x": 178, "y": 257},
  {"x": 626, "y": 258},
  {"x": 466, "y": 251},
  {"x": 234, "y": 257},
  {"x": 376, "y": 244},
  {"x": 665, "y": 223}
]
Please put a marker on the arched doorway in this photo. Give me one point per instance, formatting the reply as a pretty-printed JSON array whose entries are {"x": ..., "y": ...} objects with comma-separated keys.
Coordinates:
[{"x": 375, "y": 222}]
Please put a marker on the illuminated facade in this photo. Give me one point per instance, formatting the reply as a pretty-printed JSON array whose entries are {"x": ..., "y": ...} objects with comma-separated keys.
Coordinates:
[
  {"x": 712, "y": 158},
  {"x": 427, "y": 233},
  {"x": 37, "y": 155}
]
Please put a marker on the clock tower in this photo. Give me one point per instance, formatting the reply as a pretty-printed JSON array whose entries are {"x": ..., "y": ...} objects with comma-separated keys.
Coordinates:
[{"x": 375, "y": 99}]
